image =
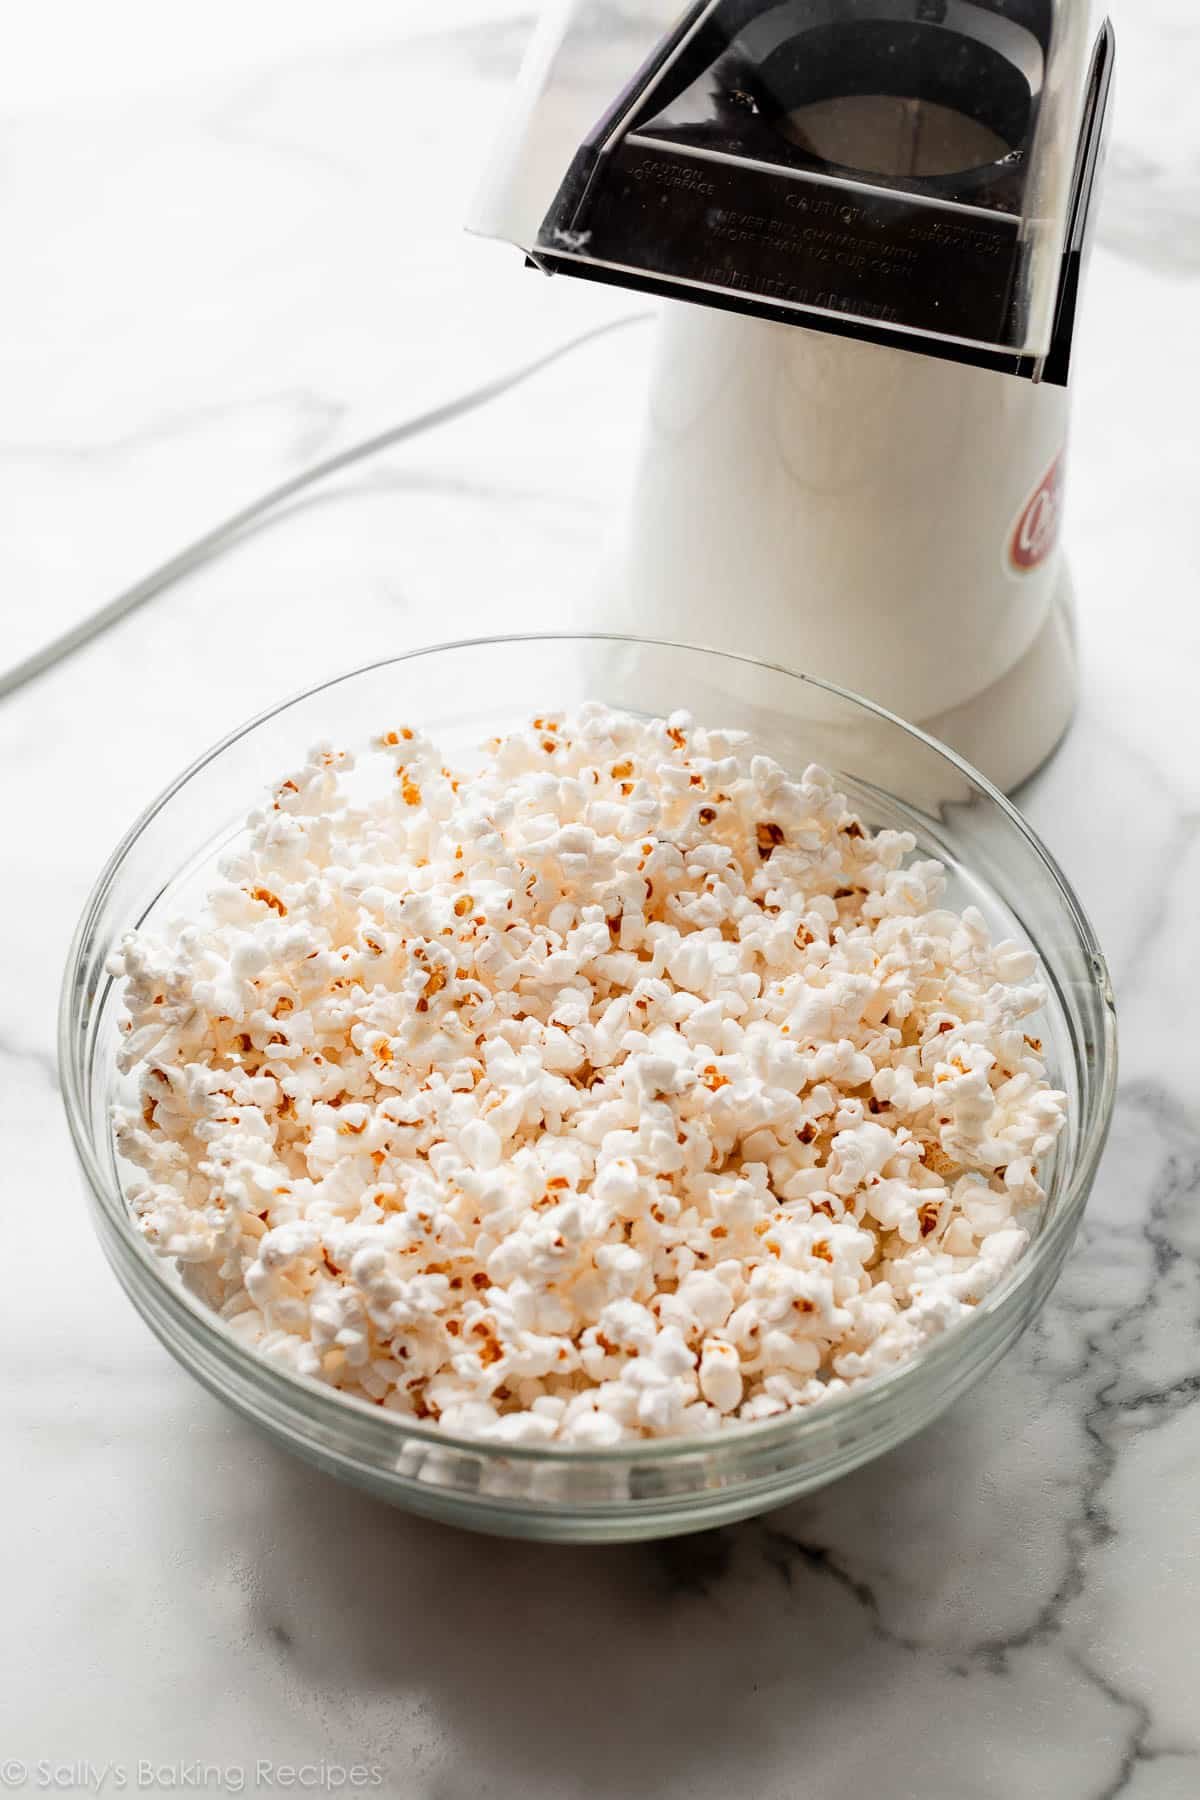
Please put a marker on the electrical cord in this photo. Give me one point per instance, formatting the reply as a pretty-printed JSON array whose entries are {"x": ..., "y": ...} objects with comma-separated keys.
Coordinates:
[{"x": 222, "y": 537}]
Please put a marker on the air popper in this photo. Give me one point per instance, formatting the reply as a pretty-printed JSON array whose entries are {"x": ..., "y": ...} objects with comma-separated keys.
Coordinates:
[{"x": 872, "y": 216}]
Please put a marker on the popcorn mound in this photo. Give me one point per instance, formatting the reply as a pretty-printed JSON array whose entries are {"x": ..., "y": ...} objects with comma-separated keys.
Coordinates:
[{"x": 628, "y": 1088}]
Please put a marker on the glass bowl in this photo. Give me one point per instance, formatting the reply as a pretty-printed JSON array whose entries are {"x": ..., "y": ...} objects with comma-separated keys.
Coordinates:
[{"x": 463, "y": 694}]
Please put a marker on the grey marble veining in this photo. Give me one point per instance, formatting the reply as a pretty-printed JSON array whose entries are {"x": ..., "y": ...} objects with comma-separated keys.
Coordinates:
[{"x": 209, "y": 286}]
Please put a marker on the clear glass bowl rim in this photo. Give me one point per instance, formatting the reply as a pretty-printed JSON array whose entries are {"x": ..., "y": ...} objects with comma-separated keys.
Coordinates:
[{"x": 383, "y": 1435}]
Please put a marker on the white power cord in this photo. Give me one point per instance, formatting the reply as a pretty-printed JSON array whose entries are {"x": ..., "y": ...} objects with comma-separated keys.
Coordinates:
[{"x": 223, "y": 536}]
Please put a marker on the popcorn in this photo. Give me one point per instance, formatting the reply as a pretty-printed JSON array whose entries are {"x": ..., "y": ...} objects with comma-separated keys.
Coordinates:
[{"x": 629, "y": 1088}]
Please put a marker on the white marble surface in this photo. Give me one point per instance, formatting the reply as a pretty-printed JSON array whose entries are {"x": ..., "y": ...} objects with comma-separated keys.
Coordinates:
[{"x": 231, "y": 245}]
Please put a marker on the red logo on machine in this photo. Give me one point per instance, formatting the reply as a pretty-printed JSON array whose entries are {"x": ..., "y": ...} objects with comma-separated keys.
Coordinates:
[{"x": 1035, "y": 533}]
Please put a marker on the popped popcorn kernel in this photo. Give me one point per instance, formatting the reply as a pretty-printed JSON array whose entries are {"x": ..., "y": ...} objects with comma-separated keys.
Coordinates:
[{"x": 630, "y": 1087}]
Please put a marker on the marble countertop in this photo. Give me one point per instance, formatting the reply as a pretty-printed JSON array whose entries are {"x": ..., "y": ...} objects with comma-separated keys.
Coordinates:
[{"x": 231, "y": 247}]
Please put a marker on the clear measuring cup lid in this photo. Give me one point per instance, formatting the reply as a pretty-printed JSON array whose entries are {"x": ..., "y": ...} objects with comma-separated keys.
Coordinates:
[{"x": 897, "y": 169}]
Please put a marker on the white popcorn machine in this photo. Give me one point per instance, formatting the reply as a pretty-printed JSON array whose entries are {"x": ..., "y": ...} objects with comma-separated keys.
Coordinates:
[{"x": 874, "y": 498}]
